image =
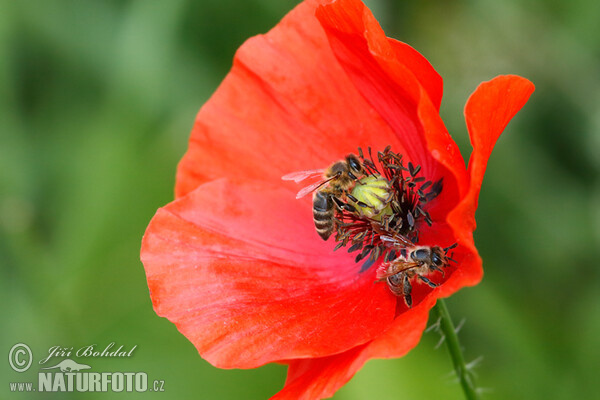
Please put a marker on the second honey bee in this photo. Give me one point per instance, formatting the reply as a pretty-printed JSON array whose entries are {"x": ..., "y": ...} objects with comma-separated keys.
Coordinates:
[
  {"x": 338, "y": 180},
  {"x": 413, "y": 261}
]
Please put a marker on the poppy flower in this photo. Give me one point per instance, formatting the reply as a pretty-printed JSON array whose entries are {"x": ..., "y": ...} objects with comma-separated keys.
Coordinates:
[{"x": 235, "y": 261}]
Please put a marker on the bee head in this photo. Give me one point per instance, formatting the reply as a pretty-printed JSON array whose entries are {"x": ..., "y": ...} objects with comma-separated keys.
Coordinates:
[
  {"x": 437, "y": 258},
  {"x": 354, "y": 164}
]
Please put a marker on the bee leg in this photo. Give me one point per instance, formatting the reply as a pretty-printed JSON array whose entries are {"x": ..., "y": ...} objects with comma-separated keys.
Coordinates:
[
  {"x": 354, "y": 178},
  {"x": 427, "y": 281},
  {"x": 407, "y": 289},
  {"x": 436, "y": 268},
  {"x": 343, "y": 206},
  {"x": 348, "y": 207}
]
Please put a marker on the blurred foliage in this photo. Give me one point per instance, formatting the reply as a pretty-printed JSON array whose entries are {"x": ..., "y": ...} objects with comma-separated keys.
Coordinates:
[{"x": 96, "y": 103}]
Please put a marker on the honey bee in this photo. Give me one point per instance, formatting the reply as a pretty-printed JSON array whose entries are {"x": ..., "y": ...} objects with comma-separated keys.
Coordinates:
[
  {"x": 331, "y": 191},
  {"x": 413, "y": 261}
]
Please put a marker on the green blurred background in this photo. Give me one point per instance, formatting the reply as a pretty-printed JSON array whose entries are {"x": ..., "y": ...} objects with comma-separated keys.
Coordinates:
[{"x": 97, "y": 99}]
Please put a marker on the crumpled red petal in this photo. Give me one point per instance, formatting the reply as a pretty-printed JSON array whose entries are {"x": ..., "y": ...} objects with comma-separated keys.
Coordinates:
[{"x": 238, "y": 269}]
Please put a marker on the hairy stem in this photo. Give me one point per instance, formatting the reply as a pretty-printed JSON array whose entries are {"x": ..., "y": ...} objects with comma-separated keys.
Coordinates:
[{"x": 462, "y": 372}]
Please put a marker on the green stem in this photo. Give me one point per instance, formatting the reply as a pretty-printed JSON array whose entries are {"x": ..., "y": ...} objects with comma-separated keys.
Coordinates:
[{"x": 464, "y": 375}]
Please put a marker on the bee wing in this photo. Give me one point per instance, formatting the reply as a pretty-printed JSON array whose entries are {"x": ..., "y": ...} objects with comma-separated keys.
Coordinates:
[
  {"x": 299, "y": 176},
  {"x": 311, "y": 188},
  {"x": 393, "y": 268},
  {"x": 389, "y": 240}
]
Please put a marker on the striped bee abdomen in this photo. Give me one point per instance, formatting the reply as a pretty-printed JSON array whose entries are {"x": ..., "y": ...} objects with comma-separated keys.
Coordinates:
[{"x": 323, "y": 214}]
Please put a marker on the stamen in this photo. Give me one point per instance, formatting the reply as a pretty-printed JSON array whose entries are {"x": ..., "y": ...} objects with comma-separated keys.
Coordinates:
[{"x": 390, "y": 198}]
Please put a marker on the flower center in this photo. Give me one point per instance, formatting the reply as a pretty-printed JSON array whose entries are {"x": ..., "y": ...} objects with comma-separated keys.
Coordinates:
[
  {"x": 376, "y": 208},
  {"x": 386, "y": 202},
  {"x": 380, "y": 216}
]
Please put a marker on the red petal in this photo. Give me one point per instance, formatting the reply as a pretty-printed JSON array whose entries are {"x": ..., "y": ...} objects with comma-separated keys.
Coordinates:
[
  {"x": 322, "y": 377},
  {"x": 319, "y": 378},
  {"x": 286, "y": 105},
  {"x": 488, "y": 111},
  {"x": 242, "y": 273},
  {"x": 428, "y": 77}
]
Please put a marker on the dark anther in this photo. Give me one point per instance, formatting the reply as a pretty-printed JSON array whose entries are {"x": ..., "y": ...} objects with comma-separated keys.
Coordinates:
[
  {"x": 366, "y": 265},
  {"x": 390, "y": 256},
  {"x": 415, "y": 171},
  {"x": 355, "y": 247},
  {"x": 436, "y": 189},
  {"x": 337, "y": 246},
  {"x": 425, "y": 185},
  {"x": 371, "y": 155},
  {"x": 366, "y": 250},
  {"x": 360, "y": 236},
  {"x": 415, "y": 239},
  {"x": 410, "y": 219},
  {"x": 376, "y": 252}
]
